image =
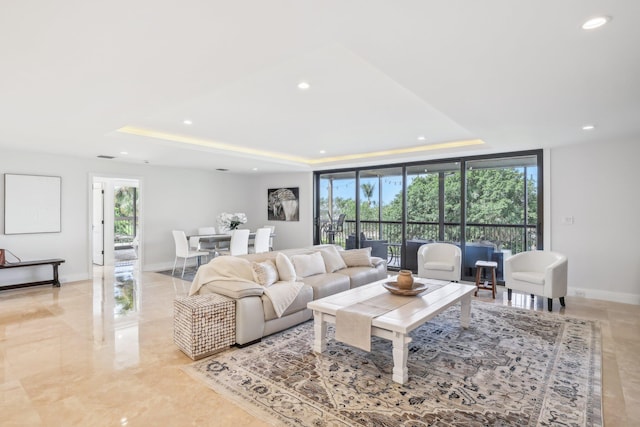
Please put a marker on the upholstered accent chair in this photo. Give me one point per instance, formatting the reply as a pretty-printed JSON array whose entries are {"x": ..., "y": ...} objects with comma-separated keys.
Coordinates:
[
  {"x": 541, "y": 273},
  {"x": 440, "y": 261}
]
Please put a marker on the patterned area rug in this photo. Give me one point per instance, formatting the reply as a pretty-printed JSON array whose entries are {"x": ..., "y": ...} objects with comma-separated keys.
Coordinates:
[{"x": 512, "y": 367}]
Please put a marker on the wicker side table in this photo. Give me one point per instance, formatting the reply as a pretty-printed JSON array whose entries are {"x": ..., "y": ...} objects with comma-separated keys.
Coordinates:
[{"x": 204, "y": 324}]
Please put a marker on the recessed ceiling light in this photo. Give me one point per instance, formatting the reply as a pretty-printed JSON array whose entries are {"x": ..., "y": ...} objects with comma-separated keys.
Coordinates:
[
  {"x": 124, "y": 152},
  {"x": 254, "y": 169},
  {"x": 596, "y": 22},
  {"x": 323, "y": 151},
  {"x": 421, "y": 138},
  {"x": 303, "y": 85},
  {"x": 187, "y": 122},
  {"x": 588, "y": 127}
]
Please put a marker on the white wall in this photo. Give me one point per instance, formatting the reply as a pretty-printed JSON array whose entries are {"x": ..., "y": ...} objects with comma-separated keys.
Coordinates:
[
  {"x": 184, "y": 199},
  {"x": 171, "y": 198},
  {"x": 71, "y": 243},
  {"x": 596, "y": 184},
  {"x": 289, "y": 234}
]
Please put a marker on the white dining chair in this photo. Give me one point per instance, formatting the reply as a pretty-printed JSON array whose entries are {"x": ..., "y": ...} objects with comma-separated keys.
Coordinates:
[
  {"x": 206, "y": 231},
  {"x": 194, "y": 243},
  {"x": 239, "y": 244},
  {"x": 183, "y": 250},
  {"x": 273, "y": 230},
  {"x": 261, "y": 241}
]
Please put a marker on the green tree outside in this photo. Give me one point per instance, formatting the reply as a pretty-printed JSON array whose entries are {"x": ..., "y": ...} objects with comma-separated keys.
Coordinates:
[
  {"x": 124, "y": 211},
  {"x": 494, "y": 196}
]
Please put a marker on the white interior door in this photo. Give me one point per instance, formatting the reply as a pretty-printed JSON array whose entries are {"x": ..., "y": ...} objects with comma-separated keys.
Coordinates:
[{"x": 97, "y": 223}]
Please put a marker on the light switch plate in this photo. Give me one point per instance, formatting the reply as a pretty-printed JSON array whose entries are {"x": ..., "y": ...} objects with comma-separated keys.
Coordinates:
[{"x": 567, "y": 220}]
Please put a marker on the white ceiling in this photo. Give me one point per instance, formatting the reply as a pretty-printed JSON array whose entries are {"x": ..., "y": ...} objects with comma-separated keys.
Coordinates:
[{"x": 517, "y": 75}]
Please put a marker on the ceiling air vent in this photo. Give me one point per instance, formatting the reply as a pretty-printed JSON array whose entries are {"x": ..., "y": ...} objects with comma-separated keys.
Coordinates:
[{"x": 103, "y": 156}]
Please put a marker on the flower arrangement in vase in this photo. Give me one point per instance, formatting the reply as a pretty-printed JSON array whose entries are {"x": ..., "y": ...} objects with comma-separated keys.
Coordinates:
[{"x": 230, "y": 221}]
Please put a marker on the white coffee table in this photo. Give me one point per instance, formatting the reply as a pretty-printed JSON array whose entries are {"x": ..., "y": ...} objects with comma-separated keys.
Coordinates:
[{"x": 394, "y": 325}]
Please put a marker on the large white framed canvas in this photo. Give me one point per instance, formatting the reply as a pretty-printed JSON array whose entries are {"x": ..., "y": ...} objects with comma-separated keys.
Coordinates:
[{"x": 31, "y": 204}]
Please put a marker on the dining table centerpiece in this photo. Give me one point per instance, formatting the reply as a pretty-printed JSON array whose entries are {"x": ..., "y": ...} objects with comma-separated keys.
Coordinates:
[{"x": 230, "y": 221}]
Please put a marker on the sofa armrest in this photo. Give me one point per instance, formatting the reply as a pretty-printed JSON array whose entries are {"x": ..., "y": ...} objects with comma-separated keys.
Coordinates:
[
  {"x": 555, "y": 282},
  {"x": 376, "y": 261},
  {"x": 234, "y": 289}
]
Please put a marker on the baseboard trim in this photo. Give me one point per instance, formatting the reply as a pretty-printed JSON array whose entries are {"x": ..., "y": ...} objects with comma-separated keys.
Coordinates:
[{"x": 620, "y": 297}]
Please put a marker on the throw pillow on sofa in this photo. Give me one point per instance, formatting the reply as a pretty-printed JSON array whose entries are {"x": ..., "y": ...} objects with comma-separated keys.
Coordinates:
[
  {"x": 264, "y": 273},
  {"x": 308, "y": 265},
  {"x": 332, "y": 259},
  {"x": 286, "y": 270},
  {"x": 357, "y": 257}
]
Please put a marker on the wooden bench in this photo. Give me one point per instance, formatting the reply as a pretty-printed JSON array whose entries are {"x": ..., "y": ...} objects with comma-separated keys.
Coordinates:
[{"x": 55, "y": 262}]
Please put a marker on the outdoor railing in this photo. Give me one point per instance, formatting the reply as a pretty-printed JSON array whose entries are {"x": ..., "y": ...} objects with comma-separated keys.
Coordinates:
[
  {"x": 125, "y": 230},
  {"x": 513, "y": 238}
]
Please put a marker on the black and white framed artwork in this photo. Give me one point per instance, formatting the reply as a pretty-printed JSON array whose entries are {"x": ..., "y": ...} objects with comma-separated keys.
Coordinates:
[{"x": 283, "y": 204}]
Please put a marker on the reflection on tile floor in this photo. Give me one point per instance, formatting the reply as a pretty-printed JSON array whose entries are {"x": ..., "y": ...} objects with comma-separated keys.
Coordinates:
[{"x": 100, "y": 352}]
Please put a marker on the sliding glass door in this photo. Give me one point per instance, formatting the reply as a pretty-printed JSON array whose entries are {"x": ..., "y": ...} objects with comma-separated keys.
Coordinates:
[
  {"x": 379, "y": 221},
  {"x": 433, "y": 207},
  {"x": 337, "y": 207},
  {"x": 491, "y": 206},
  {"x": 502, "y": 209}
]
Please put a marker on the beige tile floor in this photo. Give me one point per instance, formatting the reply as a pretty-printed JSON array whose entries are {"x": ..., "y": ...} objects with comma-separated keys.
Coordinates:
[{"x": 100, "y": 353}]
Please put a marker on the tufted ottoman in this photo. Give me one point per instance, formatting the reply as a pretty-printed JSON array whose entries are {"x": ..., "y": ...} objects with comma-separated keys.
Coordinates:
[{"x": 204, "y": 324}]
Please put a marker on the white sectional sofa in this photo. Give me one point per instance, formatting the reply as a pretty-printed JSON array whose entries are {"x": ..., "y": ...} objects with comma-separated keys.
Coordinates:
[{"x": 266, "y": 304}]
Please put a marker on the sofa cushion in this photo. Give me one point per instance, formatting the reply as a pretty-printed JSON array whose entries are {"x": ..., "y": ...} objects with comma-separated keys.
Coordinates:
[
  {"x": 359, "y": 276},
  {"x": 332, "y": 259},
  {"x": 264, "y": 273},
  {"x": 286, "y": 270},
  {"x": 304, "y": 297},
  {"x": 308, "y": 265},
  {"x": 273, "y": 254},
  {"x": 357, "y": 257},
  {"x": 529, "y": 277},
  {"x": 440, "y": 266},
  {"x": 327, "y": 284}
]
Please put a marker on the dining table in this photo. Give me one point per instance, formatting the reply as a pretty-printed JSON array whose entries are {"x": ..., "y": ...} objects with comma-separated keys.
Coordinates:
[{"x": 218, "y": 238}]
